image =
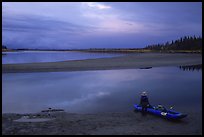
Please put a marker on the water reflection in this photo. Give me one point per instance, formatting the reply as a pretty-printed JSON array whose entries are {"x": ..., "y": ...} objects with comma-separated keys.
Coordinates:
[
  {"x": 146, "y": 68},
  {"x": 100, "y": 91},
  {"x": 191, "y": 67}
]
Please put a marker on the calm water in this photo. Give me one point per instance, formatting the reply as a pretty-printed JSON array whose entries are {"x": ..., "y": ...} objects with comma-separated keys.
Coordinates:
[
  {"x": 101, "y": 91},
  {"x": 51, "y": 56}
]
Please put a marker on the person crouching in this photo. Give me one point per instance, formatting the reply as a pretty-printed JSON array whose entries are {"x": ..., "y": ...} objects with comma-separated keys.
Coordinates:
[{"x": 144, "y": 102}]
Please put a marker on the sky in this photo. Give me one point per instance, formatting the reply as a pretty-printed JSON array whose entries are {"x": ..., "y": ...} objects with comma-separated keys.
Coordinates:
[{"x": 65, "y": 25}]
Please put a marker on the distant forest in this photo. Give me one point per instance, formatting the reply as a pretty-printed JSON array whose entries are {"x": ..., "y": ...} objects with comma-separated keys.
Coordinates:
[{"x": 184, "y": 43}]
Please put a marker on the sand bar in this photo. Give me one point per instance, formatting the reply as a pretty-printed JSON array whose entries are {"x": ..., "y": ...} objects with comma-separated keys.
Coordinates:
[{"x": 141, "y": 60}]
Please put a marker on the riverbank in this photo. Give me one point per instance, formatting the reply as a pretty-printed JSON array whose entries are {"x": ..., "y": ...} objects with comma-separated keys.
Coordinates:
[
  {"x": 142, "y": 60},
  {"x": 126, "y": 123}
]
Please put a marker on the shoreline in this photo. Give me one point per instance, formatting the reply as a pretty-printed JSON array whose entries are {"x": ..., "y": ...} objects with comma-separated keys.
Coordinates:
[
  {"x": 143, "y": 60},
  {"x": 115, "y": 123}
]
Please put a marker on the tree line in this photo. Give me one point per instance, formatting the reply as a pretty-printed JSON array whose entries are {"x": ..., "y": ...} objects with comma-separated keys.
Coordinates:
[
  {"x": 187, "y": 43},
  {"x": 184, "y": 43}
]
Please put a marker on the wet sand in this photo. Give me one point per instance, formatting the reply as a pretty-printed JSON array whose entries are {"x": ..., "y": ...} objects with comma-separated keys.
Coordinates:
[
  {"x": 141, "y": 60},
  {"x": 126, "y": 123}
]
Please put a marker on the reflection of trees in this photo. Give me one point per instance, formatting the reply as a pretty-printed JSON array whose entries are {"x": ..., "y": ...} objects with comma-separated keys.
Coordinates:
[
  {"x": 191, "y": 67},
  {"x": 146, "y": 68}
]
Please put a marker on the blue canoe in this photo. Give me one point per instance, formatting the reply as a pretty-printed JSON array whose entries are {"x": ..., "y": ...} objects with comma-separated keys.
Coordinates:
[{"x": 169, "y": 114}]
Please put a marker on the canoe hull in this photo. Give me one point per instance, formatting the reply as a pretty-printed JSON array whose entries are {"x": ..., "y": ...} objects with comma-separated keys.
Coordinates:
[{"x": 169, "y": 114}]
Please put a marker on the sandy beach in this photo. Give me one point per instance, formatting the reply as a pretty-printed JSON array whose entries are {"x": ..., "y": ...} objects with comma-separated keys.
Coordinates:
[
  {"x": 126, "y": 123},
  {"x": 141, "y": 60}
]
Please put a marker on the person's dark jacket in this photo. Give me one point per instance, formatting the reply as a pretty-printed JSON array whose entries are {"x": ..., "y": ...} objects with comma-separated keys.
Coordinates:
[{"x": 144, "y": 102}]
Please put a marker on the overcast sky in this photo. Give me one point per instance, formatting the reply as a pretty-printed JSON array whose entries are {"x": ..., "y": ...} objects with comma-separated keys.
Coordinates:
[{"x": 97, "y": 24}]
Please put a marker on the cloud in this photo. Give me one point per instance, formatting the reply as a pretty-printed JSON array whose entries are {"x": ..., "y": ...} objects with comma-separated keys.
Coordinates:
[
  {"x": 40, "y": 23},
  {"x": 97, "y": 24},
  {"x": 39, "y": 31},
  {"x": 96, "y": 5},
  {"x": 123, "y": 26},
  {"x": 108, "y": 22}
]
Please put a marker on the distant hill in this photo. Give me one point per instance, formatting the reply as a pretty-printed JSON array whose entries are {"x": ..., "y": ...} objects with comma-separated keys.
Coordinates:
[{"x": 184, "y": 43}]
